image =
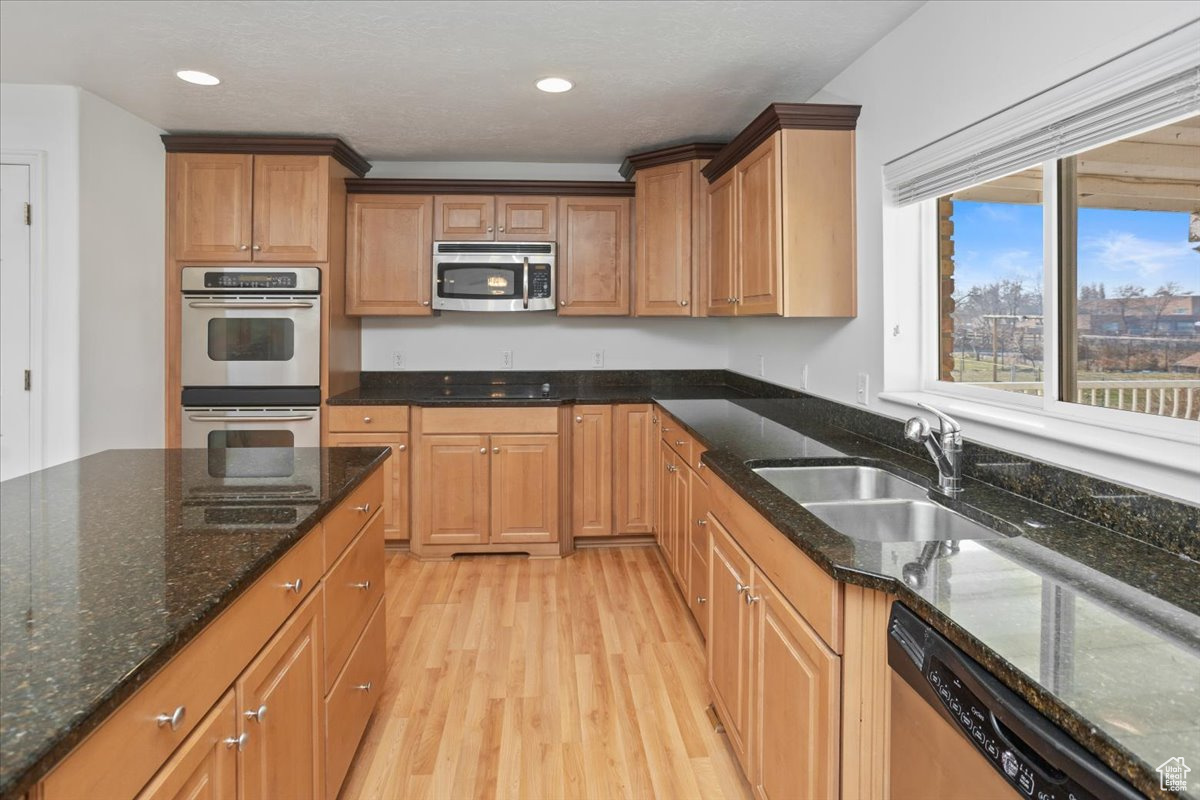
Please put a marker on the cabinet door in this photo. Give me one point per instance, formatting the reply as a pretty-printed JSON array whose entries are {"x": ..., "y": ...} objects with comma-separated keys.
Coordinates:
[
  {"x": 634, "y": 457},
  {"x": 524, "y": 488},
  {"x": 759, "y": 246},
  {"x": 464, "y": 217},
  {"x": 210, "y": 197},
  {"x": 592, "y": 471},
  {"x": 697, "y": 527},
  {"x": 389, "y": 254},
  {"x": 796, "y": 686},
  {"x": 722, "y": 245},
  {"x": 681, "y": 541},
  {"x": 282, "y": 711},
  {"x": 526, "y": 219},
  {"x": 205, "y": 765},
  {"x": 291, "y": 208},
  {"x": 452, "y": 486},
  {"x": 593, "y": 256},
  {"x": 663, "y": 267},
  {"x": 665, "y": 502},
  {"x": 729, "y": 637},
  {"x": 395, "y": 477}
]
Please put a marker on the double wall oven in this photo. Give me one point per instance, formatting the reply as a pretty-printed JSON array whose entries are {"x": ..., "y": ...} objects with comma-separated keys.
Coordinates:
[{"x": 250, "y": 365}]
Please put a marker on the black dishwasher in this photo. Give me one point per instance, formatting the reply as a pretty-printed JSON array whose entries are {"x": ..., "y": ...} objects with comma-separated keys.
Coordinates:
[{"x": 1035, "y": 757}]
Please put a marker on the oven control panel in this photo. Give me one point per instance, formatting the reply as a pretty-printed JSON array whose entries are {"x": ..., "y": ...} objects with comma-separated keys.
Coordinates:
[
  {"x": 1038, "y": 781},
  {"x": 249, "y": 280},
  {"x": 539, "y": 280},
  {"x": 231, "y": 280}
]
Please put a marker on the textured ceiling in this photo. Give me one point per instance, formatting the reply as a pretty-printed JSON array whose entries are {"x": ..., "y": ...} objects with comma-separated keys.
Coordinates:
[{"x": 444, "y": 81}]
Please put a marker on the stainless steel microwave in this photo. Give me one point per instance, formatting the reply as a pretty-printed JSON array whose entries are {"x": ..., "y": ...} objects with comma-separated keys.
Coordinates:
[{"x": 493, "y": 276}]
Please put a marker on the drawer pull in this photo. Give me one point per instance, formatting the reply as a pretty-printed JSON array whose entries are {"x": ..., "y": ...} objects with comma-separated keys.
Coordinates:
[
  {"x": 672, "y": 468},
  {"x": 174, "y": 719},
  {"x": 238, "y": 741},
  {"x": 666, "y": 430},
  {"x": 483, "y": 451},
  {"x": 751, "y": 599},
  {"x": 579, "y": 419},
  {"x": 364, "y": 585},
  {"x": 257, "y": 714},
  {"x": 742, "y": 587},
  {"x": 701, "y": 522},
  {"x": 364, "y": 508},
  {"x": 402, "y": 448},
  {"x": 294, "y": 586},
  {"x": 364, "y": 687},
  {"x": 679, "y": 443},
  {"x": 701, "y": 599},
  {"x": 367, "y": 420}
]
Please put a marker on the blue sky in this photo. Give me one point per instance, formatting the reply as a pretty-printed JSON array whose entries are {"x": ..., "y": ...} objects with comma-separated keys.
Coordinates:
[{"x": 995, "y": 241}]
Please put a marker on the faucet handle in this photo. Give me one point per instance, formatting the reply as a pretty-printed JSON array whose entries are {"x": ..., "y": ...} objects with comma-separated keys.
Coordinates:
[{"x": 947, "y": 423}]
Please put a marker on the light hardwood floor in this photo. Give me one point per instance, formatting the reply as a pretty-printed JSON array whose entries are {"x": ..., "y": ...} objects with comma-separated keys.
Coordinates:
[{"x": 508, "y": 677}]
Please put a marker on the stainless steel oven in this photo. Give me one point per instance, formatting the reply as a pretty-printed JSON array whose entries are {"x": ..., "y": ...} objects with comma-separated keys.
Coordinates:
[
  {"x": 493, "y": 276},
  {"x": 255, "y": 328},
  {"x": 251, "y": 442}
]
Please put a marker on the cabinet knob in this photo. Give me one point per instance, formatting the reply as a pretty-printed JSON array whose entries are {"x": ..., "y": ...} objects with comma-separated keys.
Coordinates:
[
  {"x": 666, "y": 430},
  {"x": 365, "y": 508},
  {"x": 672, "y": 468},
  {"x": 742, "y": 587},
  {"x": 654, "y": 420},
  {"x": 700, "y": 465},
  {"x": 402, "y": 448},
  {"x": 483, "y": 450},
  {"x": 729, "y": 300},
  {"x": 238, "y": 741},
  {"x": 367, "y": 420},
  {"x": 364, "y": 585},
  {"x": 679, "y": 442},
  {"x": 174, "y": 719},
  {"x": 424, "y": 302},
  {"x": 496, "y": 450},
  {"x": 701, "y": 522},
  {"x": 579, "y": 419},
  {"x": 737, "y": 299},
  {"x": 751, "y": 599},
  {"x": 502, "y": 229},
  {"x": 256, "y": 247},
  {"x": 701, "y": 599},
  {"x": 562, "y": 303},
  {"x": 489, "y": 228},
  {"x": 295, "y": 585},
  {"x": 683, "y": 302},
  {"x": 364, "y": 687},
  {"x": 256, "y": 714},
  {"x": 244, "y": 247}
]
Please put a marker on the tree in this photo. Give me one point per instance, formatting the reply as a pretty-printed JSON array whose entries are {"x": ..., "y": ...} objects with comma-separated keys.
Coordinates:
[
  {"x": 1125, "y": 293},
  {"x": 1162, "y": 298}
]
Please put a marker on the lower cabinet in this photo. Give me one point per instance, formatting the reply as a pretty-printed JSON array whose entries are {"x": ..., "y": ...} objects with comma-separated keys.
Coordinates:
[
  {"x": 635, "y": 438},
  {"x": 380, "y": 426},
  {"x": 697, "y": 551},
  {"x": 353, "y": 697},
  {"x": 206, "y": 764},
  {"x": 592, "y": 471},
  {"x": 454, "y": 490},
  {"x": 729, "y": 638},
  {"x": 525, "y": 473}
]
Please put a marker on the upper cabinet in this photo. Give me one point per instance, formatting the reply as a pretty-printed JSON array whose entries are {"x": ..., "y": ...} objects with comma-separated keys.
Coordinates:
[
  {"x": 593, "y": 256},
  {"x": 781, "y": 215},
  {"x": 464, "y": 217},
  {"x": 389, "y": 254},
  {"x": 482, "y": 218},
  {"x": 526, "y": 219},
  {"x": 231, "y": 207},
  {"x": 670, "y": 222}
]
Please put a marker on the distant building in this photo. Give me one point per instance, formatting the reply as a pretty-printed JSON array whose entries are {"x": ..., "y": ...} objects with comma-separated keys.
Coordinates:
[{"x": 1177, "y": 316}]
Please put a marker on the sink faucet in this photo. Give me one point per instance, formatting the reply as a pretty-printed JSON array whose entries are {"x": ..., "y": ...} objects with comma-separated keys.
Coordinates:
[{"x": 946, "y": 447}]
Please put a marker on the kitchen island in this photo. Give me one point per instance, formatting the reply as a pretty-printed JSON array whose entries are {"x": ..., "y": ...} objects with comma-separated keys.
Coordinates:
[{"x": 119, "y": 567}]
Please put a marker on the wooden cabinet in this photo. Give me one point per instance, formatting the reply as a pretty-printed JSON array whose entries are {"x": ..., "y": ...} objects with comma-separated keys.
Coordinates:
[
  {"x": 671, "y": 248},
  {"x": 729, "y": 637},
  {"x": 722, "y": 247},
  {"x": 524, "y": 497},
  {"x": 232, "y": 207},
  {"x": 389, "y": 254},
  {"x": 796, "y": 696},
  {"x": 464, "y": 217},
  {"x": 205, "y": 765},
  {"x": 352, "y": 700},
  {"x": 680, "y": 538},
  {"x": 455, "y": 489},
  {"x": 521, "y": 218},
  {"x": 280, "y": 700},
  {"x": 697, "y": 551},
  {"x": 592, "y": 471},
  {"x": 593, "y": 256},
  {"x": 395, "y": 477},
  {"x": 635, "y": 439},
  {"x": 664, "y": 526},
  {"x": 757, "y": 178}
]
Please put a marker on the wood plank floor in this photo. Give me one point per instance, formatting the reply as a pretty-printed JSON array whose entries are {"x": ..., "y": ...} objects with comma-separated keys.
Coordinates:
[{"x": 508, "y": 677}]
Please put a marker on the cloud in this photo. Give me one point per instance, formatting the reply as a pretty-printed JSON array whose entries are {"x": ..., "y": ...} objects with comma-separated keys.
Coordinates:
[
  {"x": 974, "y": 268},
  {"x": 1127, "y": 254}
]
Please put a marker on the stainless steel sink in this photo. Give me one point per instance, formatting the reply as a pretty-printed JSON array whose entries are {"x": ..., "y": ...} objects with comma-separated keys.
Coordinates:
[
  {"x": 901, "y": 520},
  {"x": 834, "y": 484}
]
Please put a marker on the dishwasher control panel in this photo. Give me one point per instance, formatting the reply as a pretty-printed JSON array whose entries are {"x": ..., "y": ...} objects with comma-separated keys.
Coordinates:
[{"x": 1040, "y": 781}]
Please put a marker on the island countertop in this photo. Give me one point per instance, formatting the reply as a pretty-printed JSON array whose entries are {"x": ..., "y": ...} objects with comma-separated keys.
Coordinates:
[{"x": 112, "y": 563}]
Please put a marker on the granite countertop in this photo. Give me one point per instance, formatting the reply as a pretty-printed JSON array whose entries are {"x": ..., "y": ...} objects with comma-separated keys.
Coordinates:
[
  {"x": 1097, "y": 630},
  {"x": 112, "y": 563},
  {"x": 501, "y": 395}
]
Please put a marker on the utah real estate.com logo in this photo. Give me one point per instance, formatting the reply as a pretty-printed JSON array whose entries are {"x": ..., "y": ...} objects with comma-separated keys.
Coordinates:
[{"x": 1172, "y": 774}]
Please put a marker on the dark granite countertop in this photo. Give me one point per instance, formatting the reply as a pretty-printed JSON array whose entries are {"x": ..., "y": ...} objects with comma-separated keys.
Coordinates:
[
  {"x": 1097, "y": 630},
  {"x": 499, "y": 395},
  {"x": 112, "y": 563}
]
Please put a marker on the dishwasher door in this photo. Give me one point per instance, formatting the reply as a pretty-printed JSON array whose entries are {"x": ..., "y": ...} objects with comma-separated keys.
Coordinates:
[{"x": 957, "y": 732}]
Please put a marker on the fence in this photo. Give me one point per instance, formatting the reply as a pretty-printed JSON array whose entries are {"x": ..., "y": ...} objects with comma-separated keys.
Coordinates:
[{"x": 1170, "y": 398}]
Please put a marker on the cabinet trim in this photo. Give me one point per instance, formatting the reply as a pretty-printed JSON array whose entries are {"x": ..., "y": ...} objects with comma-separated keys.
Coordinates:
[
  {"x": 776, "y": 117},
  {"x": 461, "y": 186},
  {"x": 669, "y": 155},
  {"x": 330, "y": 146}
]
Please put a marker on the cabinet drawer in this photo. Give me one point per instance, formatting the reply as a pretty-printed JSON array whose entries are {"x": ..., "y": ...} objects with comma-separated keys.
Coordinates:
[
  {"x": 368, "y": 419},
  {"x": 681, "y": 441},
  {"x": 348, "y": 518},
  {"x": 128, "y": 748},
  {"x": 352, "y": 588},
  {"x": 206, "y": 760},
  {"x": 352, "y": 700},
  {"x": 489, "y": 420}
]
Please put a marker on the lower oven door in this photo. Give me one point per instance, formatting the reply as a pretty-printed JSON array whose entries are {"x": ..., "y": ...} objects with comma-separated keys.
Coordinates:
[
  {"x": 251, "y": 341},
  {"x": 251, "y": 442}
]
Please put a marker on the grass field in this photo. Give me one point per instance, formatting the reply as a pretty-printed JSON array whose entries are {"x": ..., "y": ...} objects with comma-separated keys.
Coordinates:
[{"x": 979, "y": 370}]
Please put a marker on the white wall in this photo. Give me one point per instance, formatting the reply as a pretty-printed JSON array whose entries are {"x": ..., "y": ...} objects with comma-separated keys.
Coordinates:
[
  {"x": 122, "y": 228},
  {"x": 102, "y": 370}
]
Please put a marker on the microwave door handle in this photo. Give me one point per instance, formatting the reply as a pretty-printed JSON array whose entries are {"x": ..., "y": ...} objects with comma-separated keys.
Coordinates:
[
  {"x": 525, "y": 284},
  {"x": 256, "y": 304},
  {"x": 247, "y": 418}
]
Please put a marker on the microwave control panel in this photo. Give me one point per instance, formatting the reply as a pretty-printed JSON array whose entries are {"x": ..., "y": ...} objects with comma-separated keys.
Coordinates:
[{"x": 539, "y": 280}]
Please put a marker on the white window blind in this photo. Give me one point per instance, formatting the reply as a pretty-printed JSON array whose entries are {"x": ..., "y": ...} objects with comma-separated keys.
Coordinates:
[{"x": 1150, "y": 86}]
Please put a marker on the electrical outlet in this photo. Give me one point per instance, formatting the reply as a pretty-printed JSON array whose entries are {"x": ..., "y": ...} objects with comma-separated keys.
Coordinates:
[
  {"x": 506, "y": 359},
  {"x": 804, "y": 377},
  {"x": 597, "y": 359},
  {"x": 397, "y": 359},
  {"x": 862, "y": 388},
  {"x": 762, "y": 366}
]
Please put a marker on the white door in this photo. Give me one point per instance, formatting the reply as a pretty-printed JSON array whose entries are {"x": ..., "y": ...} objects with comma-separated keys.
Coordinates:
[{"x": 14, "y": 321}]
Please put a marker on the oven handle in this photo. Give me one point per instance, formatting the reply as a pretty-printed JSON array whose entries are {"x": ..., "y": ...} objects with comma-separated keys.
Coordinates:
[
  {"x": 253, "y": 304},
  {"x": 525, "y": 284},
  {"x": 236, "y": 418}
]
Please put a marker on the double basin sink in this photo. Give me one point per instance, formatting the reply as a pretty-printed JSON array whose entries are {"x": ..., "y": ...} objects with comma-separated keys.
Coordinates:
[{"x": 872, "y": 504}]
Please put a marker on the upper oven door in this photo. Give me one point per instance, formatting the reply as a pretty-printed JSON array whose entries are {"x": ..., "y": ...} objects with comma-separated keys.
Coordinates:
[
  {"x": 495, "y": 281},
  {"x": 239, "y": 340}
]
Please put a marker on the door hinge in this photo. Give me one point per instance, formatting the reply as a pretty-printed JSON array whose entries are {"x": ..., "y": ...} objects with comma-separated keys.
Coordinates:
[
  {"x": 28, "y": 214},
  {"x": 28, "y": 379}
]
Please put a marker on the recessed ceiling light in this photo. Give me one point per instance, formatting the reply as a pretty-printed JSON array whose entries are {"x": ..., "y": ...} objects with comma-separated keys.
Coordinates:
[
  {"x": 555, "y": 85},
  {"x": 197, "y": 77}
]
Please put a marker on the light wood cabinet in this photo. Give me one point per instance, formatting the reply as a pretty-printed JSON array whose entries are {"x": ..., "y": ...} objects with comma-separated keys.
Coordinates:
[
  {"x": 593, "y": 256},
  {"x": 524, "y": 501},
  {"x": 351, "y": 701},
  {"x": 670, "y": 209},
  {"x": 635, "y": 438},
  {"x": 464, "y": 217},
  {"x": 756, "y": 178},
  {"x": 697, "y": 551},
  {"x": 395, "y": 477},
  {"x": 729, "y": 637},
  {"x": 389, "y": 255},
  {"x": 722, "y": 246},
  {"x": 680, "y": 534},
  {"x": 796, "y": 697},
  {"x": 592, "y": 471},
  {"x": 205, "y": 765},
  {"x": 280, "y": 698},
  {"x": 455, "y": 489},
  {"x": 521, "y": 218},
  {"x": 664, "y": 526},
  {"x": 232, "y": 207}
]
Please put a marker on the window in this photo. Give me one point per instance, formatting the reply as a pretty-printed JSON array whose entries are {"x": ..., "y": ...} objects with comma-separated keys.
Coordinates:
[{"x": 1126, "y": 272}]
